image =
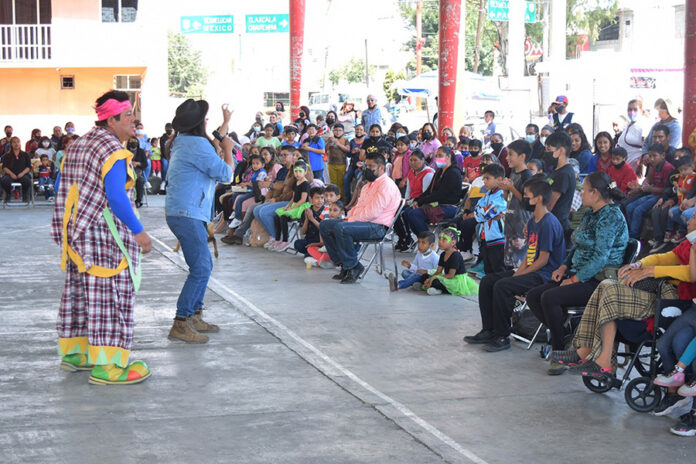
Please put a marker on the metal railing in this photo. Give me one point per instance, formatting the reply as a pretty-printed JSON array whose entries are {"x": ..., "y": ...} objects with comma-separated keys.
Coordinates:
[{"x": 25, "y": 42}]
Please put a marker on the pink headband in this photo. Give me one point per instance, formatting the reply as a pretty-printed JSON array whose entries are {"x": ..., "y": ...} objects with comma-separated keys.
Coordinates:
[{"x": 111, "y": 107}]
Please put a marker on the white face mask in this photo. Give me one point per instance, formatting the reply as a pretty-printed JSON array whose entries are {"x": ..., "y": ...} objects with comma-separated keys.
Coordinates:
[
  {"x": 139, "y": 132},
  {"x": 543, "y": 140},
  {"x": 46, "y": 144}
]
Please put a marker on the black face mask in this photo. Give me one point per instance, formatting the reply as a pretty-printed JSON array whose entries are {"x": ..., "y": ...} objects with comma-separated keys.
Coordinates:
[
  {"x": 427, "y": 135},
  {"x": 496, "y": 146},
  {"x": 620, "y": 165},
  {"x": 330, "y": 121},
  {"x": 474, "y": 153},
  {"x": 549, "y": 161},
  {"x": 8, "y": 134},
  {"x": 370, "y": 175},
  {"x": 169, "y": 131},
  {"x": 375, "y": 138},
  {"x": 526, "y": 205},
  {"x": 132, "y": 146}
]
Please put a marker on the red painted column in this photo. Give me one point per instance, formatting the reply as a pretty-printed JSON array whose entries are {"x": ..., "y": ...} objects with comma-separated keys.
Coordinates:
[
  {"x": 297, "y": 20},
  {"x": 689, "y": 75},
  {"x": 450, "y": 17}
]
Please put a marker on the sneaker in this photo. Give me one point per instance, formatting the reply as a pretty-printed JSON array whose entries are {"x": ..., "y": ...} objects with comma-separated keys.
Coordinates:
[
  {"x": 393, "y": 282},
  {"x": 322, "y": 249},
  {"x": 148, "y": 185},
  {"x": 481, "y": 338},
  {"x": 434, "y": 291},
  {"x": 688, "y": 389},
  {"x": 668, "y": 236},
  {"x": 309, "y": 261},
  {"x": 686, "y": 427},
  {"x": 556, "y": 368},
  {"x": 235, "y": 223},
  {"x": 673, "y": 379},
  {"x": 679, "y": 237},
  {"x": 418, "y": 286},
  {"x": 282, "y": 246},
  {"x": 671, "y": 403},
  {"x": 269, "y": 243},
  {"x": 276, "y": 245},
  {"x": 468, "y": 256},
  {"x": 326, "y": 264},
  {"x": 340, "y": 275},
  {"x": 497, "y": 344}
]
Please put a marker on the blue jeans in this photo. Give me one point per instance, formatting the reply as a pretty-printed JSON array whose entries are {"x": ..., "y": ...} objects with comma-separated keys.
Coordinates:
[
  {"x": 418, "y": 222},
  {"x": 352, "y": 173},
  {"x": 678, "y": 335},
  {"x": 340, "y": 237},
  {"x": 147, "y": 170},
  {"x": 238, "y": 204},
  {"x": 265, "y": 212},
  {"x": 674, "y": 219},
  {"x": 635, "y": 211},
  {"x": 165, "y": 166},
  {"x": 193, "y": 236},
  {"x": 319, "y": 174},
  {"x": 410, "y": 278}
]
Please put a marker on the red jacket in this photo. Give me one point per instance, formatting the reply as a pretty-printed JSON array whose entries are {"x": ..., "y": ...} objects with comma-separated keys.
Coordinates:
[{"x": 622, "y": 176}]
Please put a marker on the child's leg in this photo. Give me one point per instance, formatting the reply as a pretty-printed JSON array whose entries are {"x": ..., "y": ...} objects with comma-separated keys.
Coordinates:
[
  {"x": 673, "y": 219},
  {"x": 406, "y": 273},
  {"x": 300, "y": 246},
  {"x": 436, "y": 283},
  {"x": 409, "y": 279},
  {"x": 277, "y": 222},
  {"x": 659, "y": 223},
  {"x": 494, "y": 259},
  {"x": 284, "y": 221}
]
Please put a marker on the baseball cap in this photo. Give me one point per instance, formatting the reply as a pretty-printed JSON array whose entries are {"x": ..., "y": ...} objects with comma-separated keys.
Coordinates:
[{"x": 562, "y": 99}]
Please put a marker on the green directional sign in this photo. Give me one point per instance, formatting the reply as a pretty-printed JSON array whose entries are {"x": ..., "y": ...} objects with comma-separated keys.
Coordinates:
[
  {"x": 263, "y": 23},
  {"x": 498, "y": 10},
  {"x": 219, "y": 24}
]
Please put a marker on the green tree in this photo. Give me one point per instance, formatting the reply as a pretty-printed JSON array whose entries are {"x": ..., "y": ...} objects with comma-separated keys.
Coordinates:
[
  {"x": 353, "y": 72},
  {"x": 588, "y": 17},
  {"x": 390, "y": 77},
  {"x": 187, "y": 77}
]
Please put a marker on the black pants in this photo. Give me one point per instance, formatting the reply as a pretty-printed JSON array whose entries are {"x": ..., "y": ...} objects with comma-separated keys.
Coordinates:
[
  {"x": 548, "y": 303},
  {"x": 281, "y": 226},
  {"x": 7, "y": 182},
  {"x": 467, "y": 227},
  {"x": 496, "y": 298},
  {"x": 436, "y": 283},
  {"x": 403, "y": 231},
  {"x": 493, "y": 258}
]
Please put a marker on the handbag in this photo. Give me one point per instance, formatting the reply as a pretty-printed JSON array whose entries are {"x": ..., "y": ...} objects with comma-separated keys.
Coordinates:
[{"x": 435, "y": 214}]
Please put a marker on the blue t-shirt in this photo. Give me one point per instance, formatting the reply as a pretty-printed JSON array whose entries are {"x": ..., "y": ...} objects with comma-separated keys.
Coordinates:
[
  {"x": 545, "y": 235},
  {"x": 584, "y": 158},
  {"x": 316, "y": 160}
]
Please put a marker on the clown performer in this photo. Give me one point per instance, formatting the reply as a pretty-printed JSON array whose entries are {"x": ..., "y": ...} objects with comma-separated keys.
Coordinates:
[{"x": 95, "y": 224}]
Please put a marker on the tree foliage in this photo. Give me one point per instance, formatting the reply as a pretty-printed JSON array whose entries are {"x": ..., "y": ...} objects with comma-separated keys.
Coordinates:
[
  {"x": 352, "y": 72},
  {"x": 390, "y": 77},
  {"x": 187, "y": 76}
]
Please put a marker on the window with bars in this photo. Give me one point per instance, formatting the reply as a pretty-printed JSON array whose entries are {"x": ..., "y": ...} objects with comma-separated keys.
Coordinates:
[
  {"x": 119, "y": 11},
  {"x": 67, "y": 82},
  {"x": 25, "y": 12},
  {"x": 127, "y": 82},
  {"x": 270, "y": 98}
]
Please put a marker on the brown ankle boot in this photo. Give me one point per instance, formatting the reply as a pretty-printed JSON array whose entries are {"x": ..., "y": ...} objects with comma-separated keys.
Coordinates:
[
  {"x": 183, "y": 330},
  {"x": 200, "y": 325}
]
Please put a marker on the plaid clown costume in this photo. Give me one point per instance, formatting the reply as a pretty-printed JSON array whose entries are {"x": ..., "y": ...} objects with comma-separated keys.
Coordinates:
[{"x": 96, "y": 309}]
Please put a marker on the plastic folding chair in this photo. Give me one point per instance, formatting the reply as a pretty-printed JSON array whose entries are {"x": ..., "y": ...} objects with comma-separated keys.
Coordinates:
[{"x": 378, "y": 247}]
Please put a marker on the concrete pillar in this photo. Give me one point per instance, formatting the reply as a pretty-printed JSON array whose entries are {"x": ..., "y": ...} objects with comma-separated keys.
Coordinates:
[
  {"x": 450, "y": 22},
  {"x": 689, "y": 74},
  {"x": 557, "y": 52},
  {"x": 297, "y": 20}
]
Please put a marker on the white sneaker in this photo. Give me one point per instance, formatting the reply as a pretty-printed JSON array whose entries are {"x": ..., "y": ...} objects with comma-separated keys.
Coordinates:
[
  {"x": 235, "y": 223},
  {"x": 434, "y": 291},
  {"x": 269, "y": 243},
  {"x": 283, "y": 246},
  {"x": 468, "y": 256},
  {"x": 326, "y": 264},
  {"x": 322, "y": 249},
  {"x": 148, "y": 184},
  {"x": 688, "y": 389},
  {"x": 310, "y": 262}
]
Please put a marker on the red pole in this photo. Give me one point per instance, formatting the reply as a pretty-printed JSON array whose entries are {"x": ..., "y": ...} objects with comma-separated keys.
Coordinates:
[
  {"x": 450, "y": 17},
  {"x": 689, "y": 75},
  {"x": 297, "y": 20}
]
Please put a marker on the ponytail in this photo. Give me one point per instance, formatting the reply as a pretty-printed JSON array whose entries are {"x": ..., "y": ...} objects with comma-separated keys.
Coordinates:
[{"x": 606, "y": 187}]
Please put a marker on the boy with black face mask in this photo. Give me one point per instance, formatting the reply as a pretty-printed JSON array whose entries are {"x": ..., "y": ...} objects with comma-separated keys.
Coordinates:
[
  {"x": 619, "y": 171},
  {"x": 471, "y": 167},
  {"x": 562, "y": 177},
  {"x": 545, "y": 253}
]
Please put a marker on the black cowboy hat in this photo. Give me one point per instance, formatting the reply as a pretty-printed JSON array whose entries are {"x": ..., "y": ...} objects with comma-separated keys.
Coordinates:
[{"x": 189, "y": 114}]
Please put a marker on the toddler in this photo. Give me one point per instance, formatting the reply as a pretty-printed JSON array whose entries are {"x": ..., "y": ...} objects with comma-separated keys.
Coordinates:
[
  {"x": 293, "y": 210},
  {"x": 45, "y": 177},
  {"x": 312, "y": 218},
  {"x": 450, "y": 276},
  {"x": 426, "y": 260},
  {"x": 156, "y": 157},
  {"x": 317, "y": 253}
]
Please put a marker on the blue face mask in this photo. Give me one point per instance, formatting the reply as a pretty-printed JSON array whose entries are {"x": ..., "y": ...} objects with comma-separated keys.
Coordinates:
[
  {"x": 465, "y": 153},
  {"x": 531, "y": 138}
]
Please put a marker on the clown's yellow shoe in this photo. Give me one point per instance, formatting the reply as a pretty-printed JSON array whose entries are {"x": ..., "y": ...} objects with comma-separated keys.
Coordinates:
[
  {"x": 110, "y": 374},
  {"x": 75, "y": 362}
]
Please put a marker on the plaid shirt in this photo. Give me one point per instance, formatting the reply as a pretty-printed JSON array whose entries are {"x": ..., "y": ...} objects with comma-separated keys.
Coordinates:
[{"x": 88, "y": 234}]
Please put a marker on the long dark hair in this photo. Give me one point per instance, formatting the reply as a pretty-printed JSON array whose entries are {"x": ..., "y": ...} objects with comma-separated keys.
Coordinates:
[
  {"x": 576, "y": 128},
  {"x": 601, "y": 182},
  {"x": 607, "y": 136}
]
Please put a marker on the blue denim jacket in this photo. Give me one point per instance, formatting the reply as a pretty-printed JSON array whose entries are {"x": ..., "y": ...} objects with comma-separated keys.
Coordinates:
[{"x": 194, "y": 168}]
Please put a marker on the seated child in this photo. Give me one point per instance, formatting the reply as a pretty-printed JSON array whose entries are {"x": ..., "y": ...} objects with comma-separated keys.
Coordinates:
[
  {"x": 257, "y": 174},
  {"x": 545, "y": 253},
  {"x": 686, "y": 198},
  {"x": 156, "y": 157},
  {"x": 331, "y": 195},
  {"x": 426, "y": 260},
  {"x": 489, "y": 214},
  {"x": 669, "y": 198},
  {"x": 536, "y": 166},
  {"x": 293, "y": 210},
  {"x": 463, "y": 147},
  {"x": 450, "y": 277},
  {"x": 310, "y": 223},
  {"x": 317, "y": 253},
  {"x": 620, "y": 172},
  {"x": 46, "y": 177},
  {"x": 471, "y": 166}
]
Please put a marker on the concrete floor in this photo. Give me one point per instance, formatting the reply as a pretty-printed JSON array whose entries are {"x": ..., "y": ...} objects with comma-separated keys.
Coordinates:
[{"x": 304, "y": 371}]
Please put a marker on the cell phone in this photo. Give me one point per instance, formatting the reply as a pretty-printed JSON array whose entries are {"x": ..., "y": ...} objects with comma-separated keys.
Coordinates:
[{"x": 218, "y": 136}]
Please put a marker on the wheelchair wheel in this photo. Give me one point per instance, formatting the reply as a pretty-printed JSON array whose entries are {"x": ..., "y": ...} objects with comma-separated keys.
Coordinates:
[
  {"x": 596, "y": 385},
  {"x": 642, "y": 395}
]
